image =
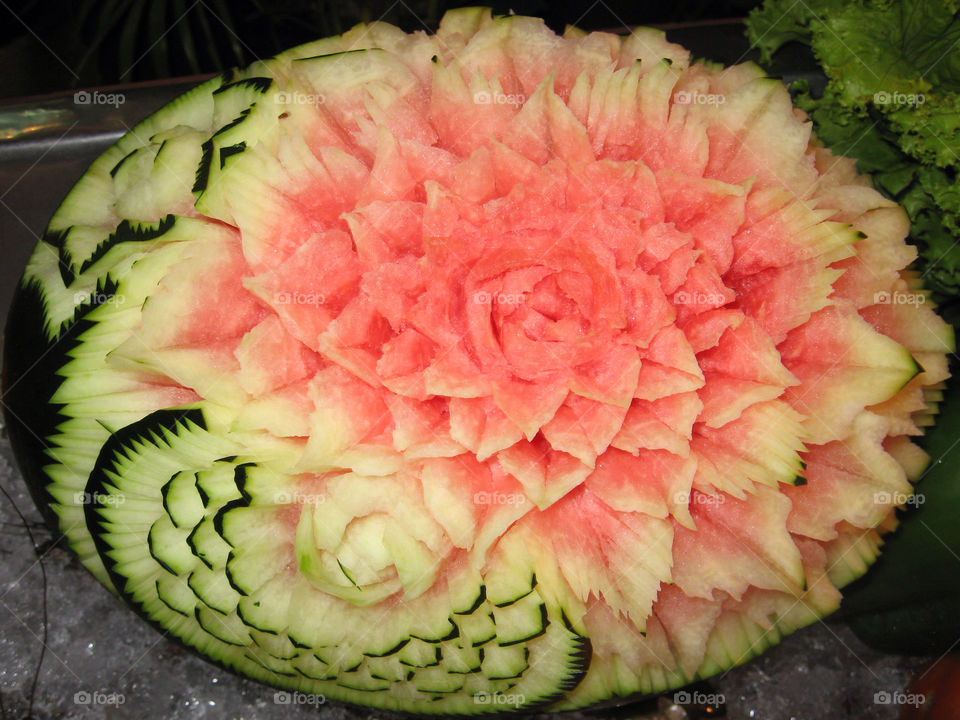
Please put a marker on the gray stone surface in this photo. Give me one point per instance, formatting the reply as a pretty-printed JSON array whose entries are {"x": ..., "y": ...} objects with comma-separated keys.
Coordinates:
[{"x": 102, "y": 661}]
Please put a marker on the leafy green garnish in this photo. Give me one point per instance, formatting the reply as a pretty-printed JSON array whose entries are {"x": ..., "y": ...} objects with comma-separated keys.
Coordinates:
[{"x": 892, "y": 102}]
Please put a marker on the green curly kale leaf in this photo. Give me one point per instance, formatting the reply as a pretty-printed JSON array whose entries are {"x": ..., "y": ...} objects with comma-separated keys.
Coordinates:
[{"x": 892, "y": 102}]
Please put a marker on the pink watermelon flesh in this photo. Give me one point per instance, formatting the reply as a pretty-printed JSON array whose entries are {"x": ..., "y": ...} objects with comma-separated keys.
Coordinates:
[{"x": 627, "y": 311}]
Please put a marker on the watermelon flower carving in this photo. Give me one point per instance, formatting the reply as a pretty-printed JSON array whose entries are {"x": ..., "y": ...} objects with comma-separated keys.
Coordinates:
[
  {"x": 374, "y": 550},
  {"x": 487, "y": 364}
]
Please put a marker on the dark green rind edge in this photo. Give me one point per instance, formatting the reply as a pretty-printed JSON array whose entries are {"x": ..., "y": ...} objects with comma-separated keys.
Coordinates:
[
  {"x": 96, "y": 484},
  {"x": 147, "y": 428},
  {"x": 29, "y": 381},
  {"x": 30, "y": 362}
]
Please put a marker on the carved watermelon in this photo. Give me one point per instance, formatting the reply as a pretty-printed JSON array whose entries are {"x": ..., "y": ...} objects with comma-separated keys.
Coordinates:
[{"x": 474, "y": 371}]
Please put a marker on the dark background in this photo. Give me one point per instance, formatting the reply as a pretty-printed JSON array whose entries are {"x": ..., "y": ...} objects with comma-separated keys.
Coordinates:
[{"x": 54, "y": 45}]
